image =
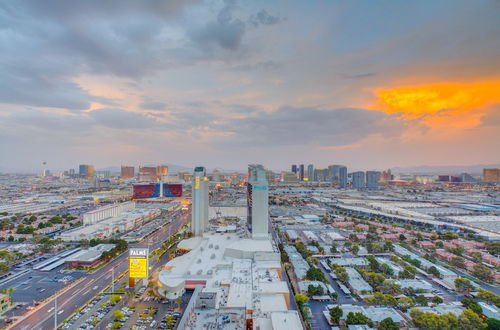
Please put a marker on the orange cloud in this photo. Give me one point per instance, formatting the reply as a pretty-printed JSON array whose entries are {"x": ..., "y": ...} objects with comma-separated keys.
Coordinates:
[{"x": 442, "y": 105}]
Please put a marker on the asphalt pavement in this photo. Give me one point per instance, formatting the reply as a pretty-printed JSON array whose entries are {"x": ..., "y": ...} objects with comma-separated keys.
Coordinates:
[{"x": 76, "y": 296}]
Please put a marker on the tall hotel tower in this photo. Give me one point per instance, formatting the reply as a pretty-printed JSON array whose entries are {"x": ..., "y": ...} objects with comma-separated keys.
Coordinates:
[
  {"x": 258, "y": 202},
  {"x": 199, "y": 207}
]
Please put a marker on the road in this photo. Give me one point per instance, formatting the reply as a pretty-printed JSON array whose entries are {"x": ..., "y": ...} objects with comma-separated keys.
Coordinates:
[{"x": 78, "y": 295}]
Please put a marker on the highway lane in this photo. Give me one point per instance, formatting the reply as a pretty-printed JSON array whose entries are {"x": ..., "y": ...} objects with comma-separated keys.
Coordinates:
[{"x": 75, "y": 297}]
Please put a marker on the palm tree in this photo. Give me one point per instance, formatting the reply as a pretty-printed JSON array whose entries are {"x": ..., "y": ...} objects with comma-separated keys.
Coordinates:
[{"x": 178, "y": 301}]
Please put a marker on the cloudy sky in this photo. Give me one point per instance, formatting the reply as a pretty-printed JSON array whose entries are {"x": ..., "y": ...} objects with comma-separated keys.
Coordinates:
[{"x": 369, "y": 84}]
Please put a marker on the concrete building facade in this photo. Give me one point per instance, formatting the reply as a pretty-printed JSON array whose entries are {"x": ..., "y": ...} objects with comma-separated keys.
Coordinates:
[{"x": 199, "y": 206}]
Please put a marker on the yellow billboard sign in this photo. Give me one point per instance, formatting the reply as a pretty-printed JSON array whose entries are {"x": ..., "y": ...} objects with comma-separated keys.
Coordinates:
[{"x": 138, "y": 267}]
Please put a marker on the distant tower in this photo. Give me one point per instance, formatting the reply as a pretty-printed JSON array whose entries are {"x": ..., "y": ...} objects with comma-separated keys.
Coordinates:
[
  {"x": 258, "y": 202},
  {"x": 199, "y": 206},
  {"x": 343, "y": 177},
  {"x": 358, "y": 180},
  {"x": 372, "y": 178},
  {"x": 310, "y": 172},
  {"x": 301, "y": 172}
]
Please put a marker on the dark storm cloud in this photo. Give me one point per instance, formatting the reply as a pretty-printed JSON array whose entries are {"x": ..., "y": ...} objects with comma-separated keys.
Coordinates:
[
  {"x": 153, "y": 105},
  {"x": 306, "y": 126},
  {"x": 47, "y": 44}
]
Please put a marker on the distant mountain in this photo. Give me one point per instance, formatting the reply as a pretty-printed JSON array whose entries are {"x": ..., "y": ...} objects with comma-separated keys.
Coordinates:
[{"x": 437, "y": 170}]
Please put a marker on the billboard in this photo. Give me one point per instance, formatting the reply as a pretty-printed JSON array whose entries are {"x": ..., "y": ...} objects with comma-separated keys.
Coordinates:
[
  {"x": 152, "y": 190},
  {"x": 172, "y": 190},
  {"x": 138, "y": 267},
  {"x": 149, "y": 190},
  {"x": 138, "y": 262}
]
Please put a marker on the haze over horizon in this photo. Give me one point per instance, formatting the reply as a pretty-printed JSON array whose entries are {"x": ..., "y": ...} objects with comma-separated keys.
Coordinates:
[{"x": 372, "y": 85}]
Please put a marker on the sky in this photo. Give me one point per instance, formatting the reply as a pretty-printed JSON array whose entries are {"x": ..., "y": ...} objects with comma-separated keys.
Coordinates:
[{"x": 368, "y": 84}]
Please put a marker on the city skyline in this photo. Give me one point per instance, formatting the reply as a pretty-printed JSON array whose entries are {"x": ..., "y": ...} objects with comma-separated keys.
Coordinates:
[{"x": 371, "y": 86}]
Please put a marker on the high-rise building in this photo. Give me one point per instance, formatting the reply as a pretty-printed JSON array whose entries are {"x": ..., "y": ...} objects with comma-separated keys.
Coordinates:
[
  {"x": 343, "y": 177},
  {"x": 258, "y": 202},
  {"x": 270, "y": 176},
  {"x": 301, "y": 172},
  {"x": 288, "y": 177},
  {"x": 294, "y": 169},
  {"x": 147, "y": 173},
  {"x": 358, "y": 180},
  {"x": 161, "y": 170},
  {"x": 86, "y": 171},
  {"x": 372, "y": 178},
  {"x": 466, "y": 177},
  {"x": 105, "y": 174},
  {"x": 127, "y": 172},
  {"x": 199, "y": 203},
  {"x": 387, "y": 175},
  {"x": 491, "y": 174},
  {"x": 444, "y": 178},
  {"x": 310, "y": 172},
  {"x": 321, "y": 174}
]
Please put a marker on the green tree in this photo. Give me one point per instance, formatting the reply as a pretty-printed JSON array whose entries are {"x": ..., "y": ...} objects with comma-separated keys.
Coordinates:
[
  {"x": 178, "y": 302},
  {"x": 118, "y": 314},
  {"x": 374, "y": 279},
  {"x": 4, "y": 268},
  {"x": 476, "y": 256},
  {"x": 388, "y": 246},
  {"x": 357, "y": 318},
  {"x": 434, "y": 271},
  {"x": 116, "y": 325},
  {"x": 421, "y": 300},
  {"x": 301, "y": 299},
  {"x": 315, "y": 274},
  {"x": 388, "y": 324},
  {"x": 405, "y": 303},
  {"x": 482, "y": 272},
  {"x": 115, "y": 298},
  {"x": 315, "y": 290},
  {"x": 470, "y": 321},
  {"x": 472, "y": 305},
  {"x": 170, "y": 321},
  {"x": 390, "y": 287},
  {"x": 431, "y": 321},
  {"x": 493, "y": 324},
  {"x": 489, "y": 296},
  {"x": 355, "y": 249},
  {"x": 437, "y": 300},
  {"x": 408, "y": 272},
  {"x": 463, "y": 284},
  {"x": 458, "y": 262},
  {"x": 341, "y": 274},
  {"x": 335, "y": 314}
]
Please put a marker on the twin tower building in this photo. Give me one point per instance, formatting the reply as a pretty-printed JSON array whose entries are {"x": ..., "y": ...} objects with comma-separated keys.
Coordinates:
[{"x": 257, "y": 202}]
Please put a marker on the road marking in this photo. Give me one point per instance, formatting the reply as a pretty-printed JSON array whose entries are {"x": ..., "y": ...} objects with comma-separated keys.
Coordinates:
[{"x": 50, "y": 310}]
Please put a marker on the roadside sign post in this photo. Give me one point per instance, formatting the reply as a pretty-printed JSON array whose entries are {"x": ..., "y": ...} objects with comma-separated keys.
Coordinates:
[{"x": 138, "y": 264}]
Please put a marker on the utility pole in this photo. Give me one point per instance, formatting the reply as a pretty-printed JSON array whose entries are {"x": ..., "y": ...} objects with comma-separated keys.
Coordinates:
[{"x": 55, "y": 312}]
